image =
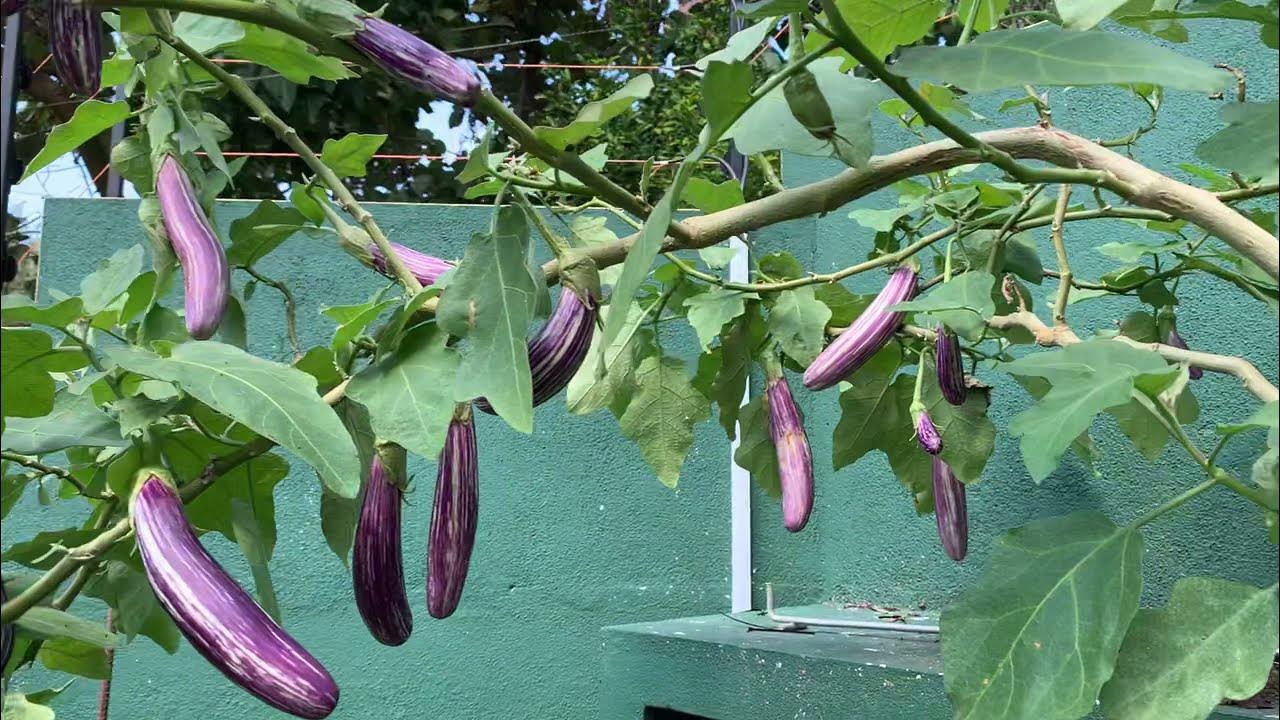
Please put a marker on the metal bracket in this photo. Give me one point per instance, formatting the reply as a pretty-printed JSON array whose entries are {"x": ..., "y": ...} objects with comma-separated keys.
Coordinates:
[{"x": 791, "y": 622}]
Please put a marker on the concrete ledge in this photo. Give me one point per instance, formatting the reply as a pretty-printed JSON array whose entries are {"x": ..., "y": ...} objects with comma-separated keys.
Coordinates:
[{"x": 719, "y": 667}]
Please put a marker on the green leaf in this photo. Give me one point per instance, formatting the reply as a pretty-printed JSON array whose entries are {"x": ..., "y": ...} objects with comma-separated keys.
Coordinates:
[
  {"x": 75, "y": 657},
  {"x": 26, "y": 390},
  {"x": 19, "y": 707},
  {"x": 1250, "y": 143},
  {"x": 1215, "y": 639},
  {"x": 1052, "y": 56},
  {"x": 716, "y": 257},
  {"x": 885, "y": 24},
  {"x": 712, "y": 197},
  {"x": 136, "y": 413},
  {"x": 712, "y": 310},
  {"x": 110, "y": 279},
  {"x": 964, "y": 304},
  {"x": 409, "y": 394},
  {"x": 47, "y": 622},
  {"x": 206, "y": 32},
  {"x": 770, "y": 125},
  {"x": 881, "y": 220},
  {"x": 261, "y": 231},
  {"x": 769, "y": 8},
  {"x": 989, "y": 12},
  {"x": 606, "y": 373},
  {"x": 353, "y": 319},
  {"x": 595, "y": 114},
  {"x": 349, "y": 156},
  {"x": 91, "y": 118},
  {"x": 798, "y": 322},
  {"x": 22, "y": 309},
  {"x": 490, "y": 302},
  {"x": 661, "y": 415},
  {"x": 274, "y": 400},
  {"x": 137, "y": 611},
  {"x": 1038, "y": 635},
  {"x": 726, "y": 93},
  {"x": 338, "y": 515},
  {"x": 756, "y": 453},
  {"x": 869, "y": 412},
  {"x": 845, "y": 306},
  {"x": 740, "y": 45},
  {"x": 286, "y": 55},
  {"x": 1084, "y": 14},
  {"x": 74, "y": 420},
  {"x": 782, "y": 265},
  {"x": 737, "y": 345},
  {"x": 257, "y": 540}
]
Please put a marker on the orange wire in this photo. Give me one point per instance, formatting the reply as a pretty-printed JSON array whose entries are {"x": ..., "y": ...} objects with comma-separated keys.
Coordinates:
[{"x": 43, "y": 62}]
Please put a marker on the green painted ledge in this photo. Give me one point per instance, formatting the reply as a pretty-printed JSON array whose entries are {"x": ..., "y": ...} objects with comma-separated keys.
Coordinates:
[{"x": 719, "y": 667}]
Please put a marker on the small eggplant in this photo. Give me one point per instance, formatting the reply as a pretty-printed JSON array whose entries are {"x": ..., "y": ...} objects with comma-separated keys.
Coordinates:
[
  {"x": 406, "y": 56},
  {"x": 795, "y": 461},
  {"x": 453, "y": 516},
  {"x": 951, "y": 511},
  {"x": 950, "y": 366},
  {"x": 927, "y": 433}
]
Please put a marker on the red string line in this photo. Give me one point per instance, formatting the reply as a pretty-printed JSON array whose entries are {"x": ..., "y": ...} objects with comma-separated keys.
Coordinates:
[
  {"x": 399, "y": 156},
  {"x": 552, "y": 66}
]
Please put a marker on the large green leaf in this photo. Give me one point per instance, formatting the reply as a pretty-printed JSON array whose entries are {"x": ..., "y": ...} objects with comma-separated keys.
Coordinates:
[
  {"x": 137, "y": 611},
  {"x": 19, "y": 707},
  {"x": 26, "y": 390},
  {"x": 354, "y": 319},
  {"x": 206, "y": 32},
  {"x": 74, "y": 420},
  {"x": 964, "y": 304},
  {"x": 1052, "y": 56},
  {"x": 756, "y": 452},
  {"x": 606, "y": 374},
  {"x": 409, "y": 394},
  {"x": 1037, "y": 637},
  {"x": 740, "y": 45},
  {"x": 1215, "y": 639},
  {"x": 737, "y": 347},
  {"x": 595, "y": 114},
  {"x": 885, "y": 24},
  {"x": 47, "y": 622},
  {"x": 286, "y": 55},
  {"x": 348, "y": 156},
  {"x": 770, "y": 125},
  {"x": 274, "y": 400},
  {"x": 1084, "y": 14},
  {"x": 711, "y": 310},
  {"x": 726, "y": 93},
  {"x": 110, "y": 279},
  {"x": 76, "y": 657},
  {"x": 262, "y": 231},
  {"x": 662, "y": 414},
  {"x": 490, "y": 302},
  {"x": 1250, "y": 143},
  {"x": 798, "y": 321},
  {"x": 91, "y": 118},
  {"x": 22, "y": 309},
  {"x": 338, "y": 515}
]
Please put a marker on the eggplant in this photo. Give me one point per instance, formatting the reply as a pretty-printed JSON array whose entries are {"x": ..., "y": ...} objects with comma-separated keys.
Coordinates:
[
  {"x": 220, "y": 620},
  {"x": 6, "y": 634},
  {"x": 791, "y": 445},
  {"x": 205, "y": 273},
  {"x": 1173, "y": 339},
  {"x": 406, "y": 56},
  {"x": 426, "y": 268},
  {"x": 559, "y": 348},
  {"x": 377, "y": 569},
  {"x": 951, "y": 511},
  {"x": 453, "y": 516},
  {"x": 950, "y": 366},
  {"x": 927, "y": 433},
  {"x": 864, "y": 338},
  {"x": 75, "y": 33}
]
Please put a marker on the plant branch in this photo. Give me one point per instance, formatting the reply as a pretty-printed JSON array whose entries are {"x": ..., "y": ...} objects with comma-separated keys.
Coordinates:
[
  {"x": 1060, "y": 247},
  {"x": 993, "y": 259},
  {"x": 1253, "y": 379},
  {"x": 290, "y": 306},
  {"x": 290, "y": 137},
  {"x": 86, "y": 571},
  {"x": 58, "y": 472}
]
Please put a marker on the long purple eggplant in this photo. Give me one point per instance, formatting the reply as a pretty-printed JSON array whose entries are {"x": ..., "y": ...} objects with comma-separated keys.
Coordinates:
[
  {"x": 950, "y": 367},
  {"x": 218, "y": 617},
  {"x": 75, "y": 32},
  {"x": 6, "y": 634},
  {"x": 376, "y": 566},
  {"x": 206, "y": 275},
  {"x": 791, "y": 445},
  {"x": 426, "y": 268},
  {"x": 453, "y": 516},
  {"x": 559, "y": 348},
  {"x": 406, "y": 56},
  {"x": 949, "y": 506},
  {"x": 864, "y": 338}
]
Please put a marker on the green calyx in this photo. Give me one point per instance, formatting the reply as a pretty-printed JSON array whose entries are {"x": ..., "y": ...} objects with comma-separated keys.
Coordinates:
[
  {"x": 339, "y": 18},
  {"x": 578, "y": 273}
]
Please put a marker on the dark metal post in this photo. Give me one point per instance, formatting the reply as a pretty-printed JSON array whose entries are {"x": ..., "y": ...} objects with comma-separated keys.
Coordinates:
[
  {"x": 115, "y": 182},
  {"x": 9, "y": 103}
]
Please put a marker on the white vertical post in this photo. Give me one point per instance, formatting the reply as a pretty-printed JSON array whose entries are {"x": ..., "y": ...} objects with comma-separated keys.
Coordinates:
[{"x": 739, "y": 480}]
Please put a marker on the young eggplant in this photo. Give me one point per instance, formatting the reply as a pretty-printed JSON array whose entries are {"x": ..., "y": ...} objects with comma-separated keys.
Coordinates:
[
  {"x": 951, "y": 510},
  {"x": 791, "y": 445},
  {"x": 377, "y": 569},
  {"x": 453, "y": 516},
  {"x": 927, "y": 432},
  {"x": 205, "y": 272},
  {"x": 406, "y": 56},
  {"x": 873, "y": 328},
  {"x": 221, "y": 621},
  {"x": 75, "y": 34},
  {"x": 950, "y": 367}
]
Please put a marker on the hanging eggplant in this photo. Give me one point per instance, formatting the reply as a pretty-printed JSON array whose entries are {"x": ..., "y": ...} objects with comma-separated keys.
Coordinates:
[
  {"x": 951, "y": 510},
  {"x": 75, "y": 34},
  {"x": 950, "y": 366},
  {"x": 453, "y": 516},
  {"x": 791, "y": 445},
  {"x": 206, "y": 275},
  {"x": 377, "y": 569},
  {"x": 864, "y": 338}
]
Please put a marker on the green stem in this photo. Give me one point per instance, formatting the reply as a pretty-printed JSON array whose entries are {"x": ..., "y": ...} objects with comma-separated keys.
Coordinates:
[
  {"x": 290, "y": 306},
  {"x": 557, "y": 244},
  {"x": 917, "y": 394},
  {"x": 1173, "y": 503},
  {"x": 1024, "y": 207},
  {"x": 969, "y": 22},
  {"x": 1064, "y": 266},
  {"x": 55, "y": 471},
  {"x": 1001, "y": 159}
]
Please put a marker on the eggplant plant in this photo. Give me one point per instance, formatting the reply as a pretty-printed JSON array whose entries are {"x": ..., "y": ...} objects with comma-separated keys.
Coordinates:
[{"x": 146, "y": 414}]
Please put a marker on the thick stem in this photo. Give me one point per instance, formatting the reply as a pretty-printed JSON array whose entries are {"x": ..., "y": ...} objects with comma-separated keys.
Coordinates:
[
  {"x": 967, "y": 31},
  {"x": 58, "y": 472},
  {"x": 1064, "y": 266}
]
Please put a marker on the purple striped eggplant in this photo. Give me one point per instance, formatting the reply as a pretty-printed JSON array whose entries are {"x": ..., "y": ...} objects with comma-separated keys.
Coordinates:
[
  {"x": 951, "y": 511},
  {"x": 376, "y": 567},
  {"x": 6, "y": 634},
  {"x": 864, "y": 338},
  {"x": 791, "y": 445},
  {"x": 556, "y": 352},
  {"x": 950, "y": 366},
  {"x": 406, "y": 56},
  {"x": 427, "y": 268},
  {"x": 75, "y": 32},
  {"x": 927, "y": 433},
  {"x": 206, "y": 275},
  {"x": 1173, "y": 339},
  {"x": 218, "y": 617},
  {"x": 453, "y": 516},
  {"x": 9, "y": 7}
]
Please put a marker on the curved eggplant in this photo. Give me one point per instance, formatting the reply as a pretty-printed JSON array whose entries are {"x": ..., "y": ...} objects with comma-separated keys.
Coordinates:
[
  {"x": 951, "y": 510},
  {"x": 791, "y": 445},
  {"x": 946, "y": 349},
  {"x": 218, "y": 617},
  {"x": 927, "y": 433},
  {"x": 377, "y": 569},
  {"x": 453, "y": 516},
  {"x": 864, "y": 338},
  {"x": 75, "y": 33},
  {"x": 410, "y": 58},
  {"x": 426, "y": 268},
  {"x": 205, "y": 274}
]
